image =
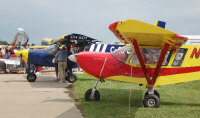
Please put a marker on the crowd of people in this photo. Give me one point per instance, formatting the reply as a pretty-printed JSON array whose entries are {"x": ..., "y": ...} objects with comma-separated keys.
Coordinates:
[{"x": 6, "y": 53}]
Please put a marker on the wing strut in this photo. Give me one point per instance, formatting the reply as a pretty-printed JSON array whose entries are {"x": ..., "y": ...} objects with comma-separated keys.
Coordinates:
[
  {"x": 142, "y": 63},
  {"x": 141, "y": 60},
  {"x": 160, "y": 61}
]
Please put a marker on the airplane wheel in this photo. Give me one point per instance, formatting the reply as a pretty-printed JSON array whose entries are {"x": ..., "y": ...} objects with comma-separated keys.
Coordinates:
[
  {"x": 4, "y": 71},
  {"x": 89, "y": 97},
  {"x": 71, "y": 78},
  {"x": 155, "y": 93},
  {"x": 31, "y": 77},
  {"x": 151, "y": 101}
]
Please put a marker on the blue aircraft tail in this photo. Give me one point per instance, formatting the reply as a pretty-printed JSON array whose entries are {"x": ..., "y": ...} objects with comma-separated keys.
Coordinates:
[{"x": 160, "y": 24}]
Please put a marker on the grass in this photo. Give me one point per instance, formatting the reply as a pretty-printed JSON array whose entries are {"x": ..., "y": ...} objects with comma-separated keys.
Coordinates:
[{"x": 177, "y": 101}]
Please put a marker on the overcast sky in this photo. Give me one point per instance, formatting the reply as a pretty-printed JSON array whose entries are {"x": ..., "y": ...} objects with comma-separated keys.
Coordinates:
[{"x": 54, "y": 18}]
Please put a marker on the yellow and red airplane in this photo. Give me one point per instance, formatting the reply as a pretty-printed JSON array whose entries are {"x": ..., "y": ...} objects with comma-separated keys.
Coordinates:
[{"x": 155, "y": 57}]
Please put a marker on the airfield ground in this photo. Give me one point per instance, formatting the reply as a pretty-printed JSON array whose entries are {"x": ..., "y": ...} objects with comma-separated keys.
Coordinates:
[
  {"x": 177, "y": 101},
  {"x": 44, "y": 98}
]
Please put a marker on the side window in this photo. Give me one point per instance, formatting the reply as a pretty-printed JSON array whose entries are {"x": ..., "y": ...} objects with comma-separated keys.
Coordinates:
[
  {"x": 179, "y": 57},
  {"x": 151, "y": 56},
  {"x": 167, "y": 58}
]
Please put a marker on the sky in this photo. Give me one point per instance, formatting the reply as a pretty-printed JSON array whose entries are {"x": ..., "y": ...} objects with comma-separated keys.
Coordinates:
[{"x": 54, "y": 18}]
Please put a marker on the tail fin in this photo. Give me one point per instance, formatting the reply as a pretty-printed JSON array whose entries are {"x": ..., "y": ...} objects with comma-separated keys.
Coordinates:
[{"x": 160, "y": 23}]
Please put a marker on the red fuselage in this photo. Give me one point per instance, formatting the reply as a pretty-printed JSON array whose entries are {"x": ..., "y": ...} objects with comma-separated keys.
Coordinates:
[{"x": 104, "y": 64}]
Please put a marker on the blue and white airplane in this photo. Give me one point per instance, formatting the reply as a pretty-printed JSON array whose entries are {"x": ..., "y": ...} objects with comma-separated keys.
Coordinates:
[{"x": 44, "y": 57}]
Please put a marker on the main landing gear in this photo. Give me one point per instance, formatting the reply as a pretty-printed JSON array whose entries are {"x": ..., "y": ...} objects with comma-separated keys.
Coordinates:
[
  {"x": 70, "y": 77},
  {"x": 31, "y": 77},
  {"x": 93, "y": 94},
  {"x": 151, "y": 98}
]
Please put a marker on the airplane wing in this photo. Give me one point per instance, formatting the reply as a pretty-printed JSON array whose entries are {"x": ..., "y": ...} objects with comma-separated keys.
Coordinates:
[
  {"x": 38, "y": 47},
  {"x": 146, "y": 34},
  {"x": 81, "y": 42},
  {"x": 74, "y": 38}
]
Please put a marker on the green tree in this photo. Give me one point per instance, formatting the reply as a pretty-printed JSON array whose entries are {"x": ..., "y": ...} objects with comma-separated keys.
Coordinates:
[
  {"x": 33, "y": 44},
  {"x": 3, "y": 43},
  {"x": 44, "y": 43}
]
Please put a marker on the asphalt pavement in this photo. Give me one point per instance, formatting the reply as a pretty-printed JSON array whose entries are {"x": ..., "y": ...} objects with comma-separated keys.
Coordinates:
[{"x": 44, "y": 98}]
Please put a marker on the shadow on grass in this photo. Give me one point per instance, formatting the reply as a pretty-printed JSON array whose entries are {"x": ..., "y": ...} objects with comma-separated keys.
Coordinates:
[
  {"x": 180, "y": 104},
  {"x": 115, "y": 103}
]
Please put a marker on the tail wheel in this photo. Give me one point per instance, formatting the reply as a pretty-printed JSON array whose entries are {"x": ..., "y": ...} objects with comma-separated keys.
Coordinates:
[
  {"x": 90, "y": 97},
  {"x": 71, "y": 78},
  {"x": 31, "y": 77},
  {"x": 151, "y": 101},
  {"x": 155, "y": 93}
]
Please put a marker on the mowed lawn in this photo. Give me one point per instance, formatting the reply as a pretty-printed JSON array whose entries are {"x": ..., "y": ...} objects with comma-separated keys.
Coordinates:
[{"x": 177, "y": 101}]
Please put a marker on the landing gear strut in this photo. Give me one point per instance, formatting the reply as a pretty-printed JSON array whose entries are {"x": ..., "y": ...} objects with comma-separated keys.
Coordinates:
[
  {"x": 151, "y": 98},
  {"x": 31, "y": 77},
  {"x": 92, "y": 94}
]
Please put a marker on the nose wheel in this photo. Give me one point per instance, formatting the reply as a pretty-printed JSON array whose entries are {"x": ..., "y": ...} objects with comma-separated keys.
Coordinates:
[
  {"x": 151, "y": 98},
  {"x": 92, "y": 95}
]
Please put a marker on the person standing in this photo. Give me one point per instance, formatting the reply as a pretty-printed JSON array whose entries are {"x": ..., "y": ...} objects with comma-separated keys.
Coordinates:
[
  {"x": 56, "y": 67},
  {"x": 61, "y": 57}
]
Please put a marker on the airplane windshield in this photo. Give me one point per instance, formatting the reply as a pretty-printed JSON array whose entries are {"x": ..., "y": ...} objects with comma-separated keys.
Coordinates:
[
  {"x": 122, "y": 53},
  {"x": 149, "y": 55},
  {"x": 21, "y": 39},
  {"x": 51, "y": 49}
]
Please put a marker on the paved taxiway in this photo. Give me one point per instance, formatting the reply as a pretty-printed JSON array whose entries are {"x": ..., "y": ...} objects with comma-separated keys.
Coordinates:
[{"x": 44, "y": 98}]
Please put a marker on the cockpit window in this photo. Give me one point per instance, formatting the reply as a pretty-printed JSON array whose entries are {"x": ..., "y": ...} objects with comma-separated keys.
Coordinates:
[
  {"x": 151, "y": 56},
  {"x": 122, "y": 53},
  {"x": 51, "y": 50},
  {"x": 21, "y": 39}
]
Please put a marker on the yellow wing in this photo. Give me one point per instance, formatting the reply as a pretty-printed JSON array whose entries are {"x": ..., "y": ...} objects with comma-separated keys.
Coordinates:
[
  {"x": 58, "y": 40},
  {"x": 146, "y": 34}
]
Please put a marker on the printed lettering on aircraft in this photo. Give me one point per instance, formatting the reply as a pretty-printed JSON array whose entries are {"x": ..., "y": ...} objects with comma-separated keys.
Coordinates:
[
  {"x": 113, "y": 48},
  {"x": 78, "y": 37},
  {"x": 105, "y": 47},
  {"x": 195, "y": 53}
]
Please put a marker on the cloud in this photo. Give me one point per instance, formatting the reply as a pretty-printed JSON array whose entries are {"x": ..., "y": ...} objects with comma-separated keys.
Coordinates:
[{"x": 52, "y": 19}]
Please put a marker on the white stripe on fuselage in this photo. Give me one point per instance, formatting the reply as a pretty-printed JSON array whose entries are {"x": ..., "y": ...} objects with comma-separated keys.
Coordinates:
[
  {"x": 98, "y": 48},
  {"x": 104, "y": 48},
  {"x": 92, "y": 47}
]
